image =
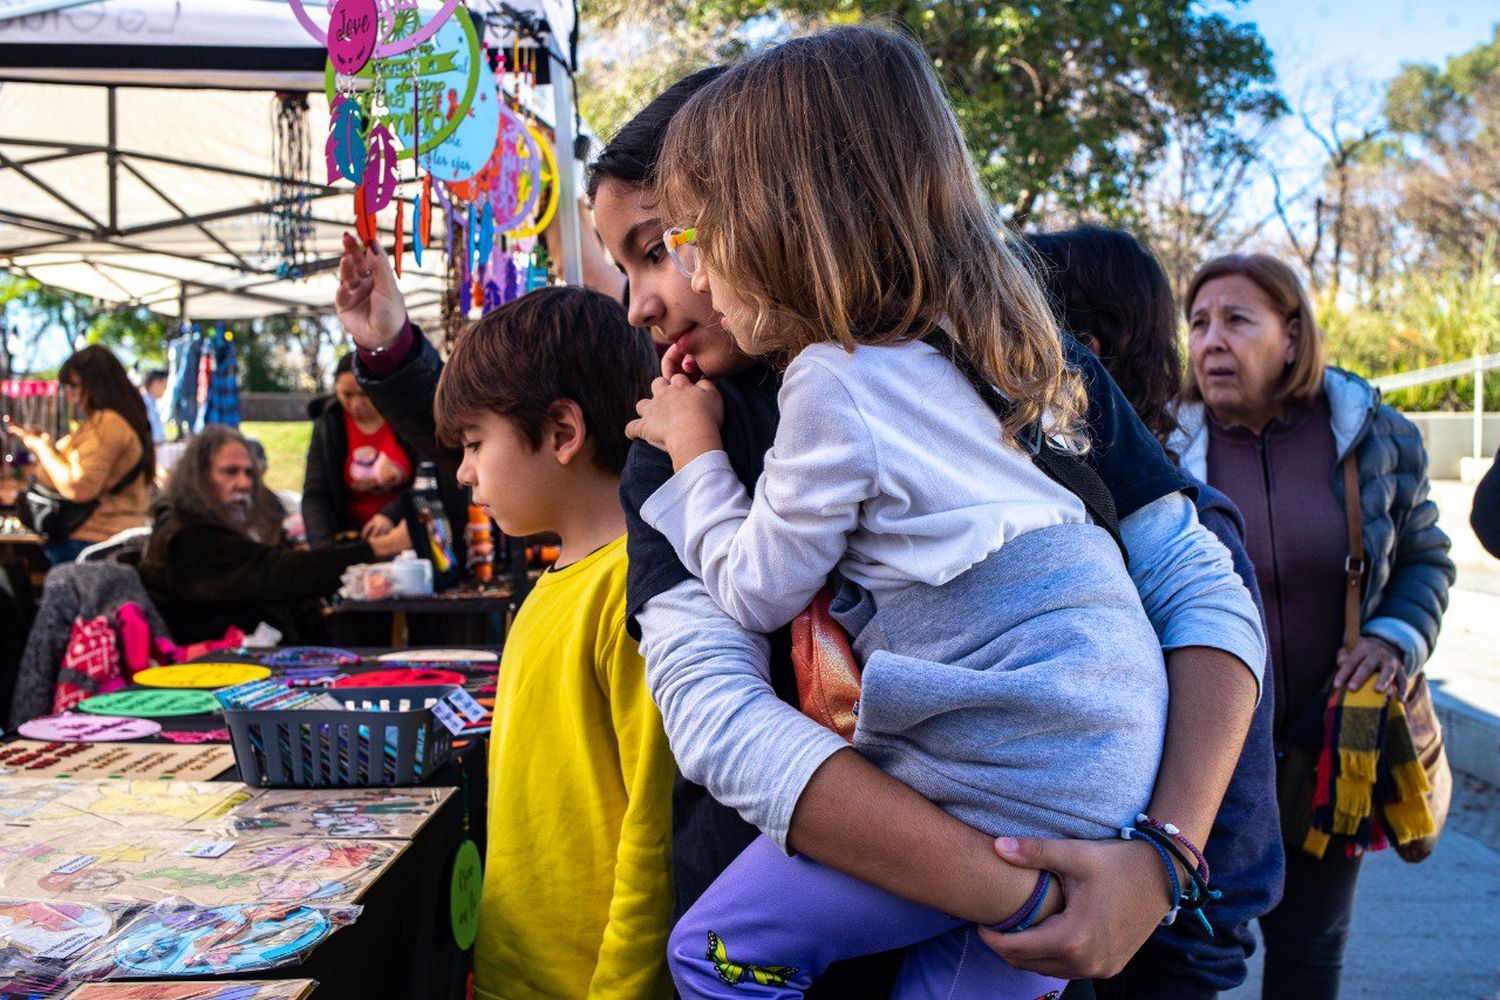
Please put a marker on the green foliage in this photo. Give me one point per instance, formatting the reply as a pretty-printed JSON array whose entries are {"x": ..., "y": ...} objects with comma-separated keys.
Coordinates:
[
  {"x": 286, "y": 450},
  {"x": 1072, "y": 103}
]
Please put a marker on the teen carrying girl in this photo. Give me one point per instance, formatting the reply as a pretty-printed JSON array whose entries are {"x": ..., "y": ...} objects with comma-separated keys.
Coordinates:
[{"x": 1010, "y": 674}]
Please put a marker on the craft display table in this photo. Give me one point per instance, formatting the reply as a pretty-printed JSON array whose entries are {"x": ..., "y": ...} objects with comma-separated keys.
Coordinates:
[{"x": 401, "y": 946}]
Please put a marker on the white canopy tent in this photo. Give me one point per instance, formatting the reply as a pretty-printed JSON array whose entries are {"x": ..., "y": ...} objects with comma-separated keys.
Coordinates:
[{"x": 136, "y": 160}]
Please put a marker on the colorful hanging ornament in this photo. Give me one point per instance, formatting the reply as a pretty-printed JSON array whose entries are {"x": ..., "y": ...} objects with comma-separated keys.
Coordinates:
[
  {"x": 400, "y": 238},
  {"x": 346, "y": 143},
  {"x": 364, "y": 222},
  {"x": 427, "y": 209},
  {"x": 379, "y": 181},
  {"x": 291, "y": 210},
  {"x": 386, "y": 49},
  {"x": 486, "y": 233},
  {"x": 352, "y": 28},
  {"x": 512, "y": 280},
  {"x": 416, "y": 228}
]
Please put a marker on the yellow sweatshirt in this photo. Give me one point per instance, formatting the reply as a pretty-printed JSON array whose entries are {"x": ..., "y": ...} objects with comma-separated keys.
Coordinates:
[
  {"x": 87, "y": 463},
  {"x": 577, "y": 880}
]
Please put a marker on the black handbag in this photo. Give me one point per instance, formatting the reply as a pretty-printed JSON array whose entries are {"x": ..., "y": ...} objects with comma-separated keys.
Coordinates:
[{"x": 57, "y": 517}]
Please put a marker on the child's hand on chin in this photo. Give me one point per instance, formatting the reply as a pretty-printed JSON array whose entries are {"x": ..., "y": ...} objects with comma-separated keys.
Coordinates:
[{"x": 681, "y": 417}]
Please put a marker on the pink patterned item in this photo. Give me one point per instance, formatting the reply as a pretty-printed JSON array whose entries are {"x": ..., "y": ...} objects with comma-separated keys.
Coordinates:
[{"x": 70, "y": 728}]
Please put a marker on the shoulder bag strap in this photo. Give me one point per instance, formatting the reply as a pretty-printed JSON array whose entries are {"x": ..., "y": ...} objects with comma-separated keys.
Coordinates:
[
  {"x": 129, "y": 477},
  {"x": 1354, "y": 563},
  {"x": 1070, "y": 471}
]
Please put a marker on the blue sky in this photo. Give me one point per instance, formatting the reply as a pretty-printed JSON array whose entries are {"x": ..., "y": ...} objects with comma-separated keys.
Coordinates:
[{"x": 1376, "y": 35}]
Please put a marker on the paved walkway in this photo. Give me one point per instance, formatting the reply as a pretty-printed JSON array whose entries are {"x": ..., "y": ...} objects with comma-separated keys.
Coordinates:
[{"x": 1433, "y": 930}]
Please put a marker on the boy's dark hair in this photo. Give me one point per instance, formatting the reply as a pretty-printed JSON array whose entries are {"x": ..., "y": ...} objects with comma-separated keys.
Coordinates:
[
  {"x": 632, "y": 154},
  {"x": 555, "y": 343},
  {"x": 1106, "y": 284}
]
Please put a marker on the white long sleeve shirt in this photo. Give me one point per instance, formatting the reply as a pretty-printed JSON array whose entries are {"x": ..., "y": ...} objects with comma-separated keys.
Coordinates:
[{"x": 886, "y": 465}]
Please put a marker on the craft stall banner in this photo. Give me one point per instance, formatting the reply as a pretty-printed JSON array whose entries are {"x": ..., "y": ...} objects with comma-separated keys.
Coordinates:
[
  {"x": 34, "y": 759},
  {"x": 240, "y": 989}
]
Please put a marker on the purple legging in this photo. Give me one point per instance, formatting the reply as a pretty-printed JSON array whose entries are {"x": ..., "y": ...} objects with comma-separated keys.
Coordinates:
[{"x": 770, "y": 924}]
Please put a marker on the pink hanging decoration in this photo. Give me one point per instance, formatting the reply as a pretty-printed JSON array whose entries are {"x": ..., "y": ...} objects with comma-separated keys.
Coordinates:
[
  {"x": 352, "y": 28},
  {"x": 380, "y": 179}
]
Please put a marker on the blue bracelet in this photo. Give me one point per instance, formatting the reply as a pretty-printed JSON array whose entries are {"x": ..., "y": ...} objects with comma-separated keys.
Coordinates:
[
  {"x": 1129, "y": 833},
  {"x": 1026, "y": 915}
]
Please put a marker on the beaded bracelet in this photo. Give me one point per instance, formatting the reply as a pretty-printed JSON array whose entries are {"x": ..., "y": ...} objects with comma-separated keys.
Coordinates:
[
  {"x": 1026, "y": 915},
  {"x": 1142, "y": 820},
  {"x": 310, "y": 656}
]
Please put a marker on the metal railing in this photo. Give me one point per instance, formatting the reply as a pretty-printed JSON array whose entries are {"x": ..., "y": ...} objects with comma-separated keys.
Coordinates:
[{"x": 1475, "y": 366}]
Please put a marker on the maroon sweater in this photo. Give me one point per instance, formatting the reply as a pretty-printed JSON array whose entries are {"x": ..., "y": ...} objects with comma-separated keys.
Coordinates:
[{"x": 1297, "y": 537}]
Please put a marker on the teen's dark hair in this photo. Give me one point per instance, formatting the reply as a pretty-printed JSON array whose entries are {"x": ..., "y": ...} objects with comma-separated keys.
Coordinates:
[
  {"x": 632, "y": 154},
  {"x": 153, "y": 376},
  {"x": 345, "y": 365},
  {"x": 1105, "y": 284},
  {"x": 553, "y": 344},
  {"x": 107, "y": 386}
]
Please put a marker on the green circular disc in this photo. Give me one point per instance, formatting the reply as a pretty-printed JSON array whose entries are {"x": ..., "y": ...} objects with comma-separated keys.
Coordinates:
[
  {"x": 463, "y": 894},
  {"x": 417, "y": 56},
  {"x": 152, "y": 703}
]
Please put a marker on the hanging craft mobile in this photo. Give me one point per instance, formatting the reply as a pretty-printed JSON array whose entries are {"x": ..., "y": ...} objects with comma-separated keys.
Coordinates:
[
  {"x": 291, "y": 210},
  {"x": 352, "y": 27},
  {"x": 390, "y": 20}
]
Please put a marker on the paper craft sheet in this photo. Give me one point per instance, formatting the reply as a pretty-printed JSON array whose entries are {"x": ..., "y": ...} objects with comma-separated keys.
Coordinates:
[
  {"x": 41, "y": 934},
  {"x": 142, "y": 803},
  {"x": 83, "y": 861},
  {"x": 35, "y": 759},
  {"x": 366, "y": 813},
  {"x": 246, "y": 989}
]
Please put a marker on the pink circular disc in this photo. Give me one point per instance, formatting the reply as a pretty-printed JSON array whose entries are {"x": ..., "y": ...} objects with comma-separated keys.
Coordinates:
[
  {"x": 400, "y": 678},
  {"x": 400, "y": 45},
  {"x": 70, "y": 728},
  {"x": 353, "y": 26}
]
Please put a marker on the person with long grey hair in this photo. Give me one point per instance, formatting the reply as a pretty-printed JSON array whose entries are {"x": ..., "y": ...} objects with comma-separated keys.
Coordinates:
[{"x": 218, "y": 557}]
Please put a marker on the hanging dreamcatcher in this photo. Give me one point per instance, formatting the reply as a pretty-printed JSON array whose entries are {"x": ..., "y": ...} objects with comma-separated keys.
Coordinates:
[{"x": 291, "y": 209}]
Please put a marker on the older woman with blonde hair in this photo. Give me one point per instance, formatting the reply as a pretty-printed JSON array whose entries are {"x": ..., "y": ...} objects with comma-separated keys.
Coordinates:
[{"x": 1270, "y": 423}]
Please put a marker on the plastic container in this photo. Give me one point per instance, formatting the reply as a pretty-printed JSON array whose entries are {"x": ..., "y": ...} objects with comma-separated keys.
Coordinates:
[{"x": 387, "y": 737}]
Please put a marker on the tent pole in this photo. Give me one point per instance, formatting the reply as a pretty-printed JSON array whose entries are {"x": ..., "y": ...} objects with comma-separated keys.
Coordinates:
[
  {"x": 112, "y": 143},
  {"x": 567, "y": 189}
]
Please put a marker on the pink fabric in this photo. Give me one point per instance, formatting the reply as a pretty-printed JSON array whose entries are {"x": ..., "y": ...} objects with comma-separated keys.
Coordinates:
[
  {"x": 135, "y": 637},
  {"x": 91, "y": 664}
]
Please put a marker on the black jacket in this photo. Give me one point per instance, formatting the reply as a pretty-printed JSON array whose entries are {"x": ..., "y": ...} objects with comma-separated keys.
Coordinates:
[
  {"x": 325, "y": 496},
  {"x": 203, "y": 576},
  {"x": 1485, "y": 517}
]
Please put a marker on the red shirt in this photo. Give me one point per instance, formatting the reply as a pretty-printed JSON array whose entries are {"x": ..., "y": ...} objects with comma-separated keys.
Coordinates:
[{"x": 376, "y": 469}]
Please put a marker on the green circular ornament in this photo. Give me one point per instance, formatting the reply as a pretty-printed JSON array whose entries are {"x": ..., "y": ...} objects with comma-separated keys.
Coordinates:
[
  {"x": 152, "y": 703},
  {"x": 428, "y": 62},
  {"x": 463, "y": 894}
]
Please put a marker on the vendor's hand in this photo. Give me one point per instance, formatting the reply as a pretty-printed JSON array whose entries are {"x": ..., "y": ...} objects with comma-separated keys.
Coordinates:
[
  {"x": 1115, "y": 895},
  {"x": 377, "y": 525},
  {"x": 1370, "y": 656},
  {"x": 398, "y": 539},
  {"x": 681, "y": 417},
  {"x": 29, "y": 435},
  {"x": 370, "y": 304},
  {"x": 676, "y": 361}
]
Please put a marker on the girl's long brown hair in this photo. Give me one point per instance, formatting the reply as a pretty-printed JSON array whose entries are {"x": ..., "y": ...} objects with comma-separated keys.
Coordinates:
[{"x": 831, "y": 187}]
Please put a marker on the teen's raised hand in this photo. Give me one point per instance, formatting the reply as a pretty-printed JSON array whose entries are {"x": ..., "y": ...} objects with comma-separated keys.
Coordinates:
[
  {"x": 681, "y": 417},
  {"x": 1115, "y": 896},
  {"x": 370, "y": 304}
]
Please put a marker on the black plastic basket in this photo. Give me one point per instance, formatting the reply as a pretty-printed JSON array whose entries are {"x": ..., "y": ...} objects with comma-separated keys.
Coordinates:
[{"x": 387, "y": 737}]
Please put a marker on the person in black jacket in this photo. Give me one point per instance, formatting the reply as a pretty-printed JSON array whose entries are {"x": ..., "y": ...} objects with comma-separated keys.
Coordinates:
[
  {"x": 217, "y": 555},
  {"x": 346, "y": 494},
  {"x": 1485, "y": 517}
]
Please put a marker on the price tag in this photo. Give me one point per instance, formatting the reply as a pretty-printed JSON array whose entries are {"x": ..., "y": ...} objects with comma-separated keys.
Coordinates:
[
  {"x": 449, "y": 718},
  {"x": 467, "y": 706}
]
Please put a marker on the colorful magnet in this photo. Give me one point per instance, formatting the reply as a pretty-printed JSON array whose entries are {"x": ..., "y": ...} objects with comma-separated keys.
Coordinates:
[
  {"x": 152, "y": 703},
  {"x": 379, "y": 179},
  {"x": 201, "y": 675},
  {"x": 70, "y": 728},
  {"x": 352, "y": 29},
  {"x": 400, "y": 677}
]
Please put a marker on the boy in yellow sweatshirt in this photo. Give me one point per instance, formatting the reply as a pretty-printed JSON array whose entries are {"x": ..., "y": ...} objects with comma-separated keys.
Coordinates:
[{"x": 577, "y": 892}]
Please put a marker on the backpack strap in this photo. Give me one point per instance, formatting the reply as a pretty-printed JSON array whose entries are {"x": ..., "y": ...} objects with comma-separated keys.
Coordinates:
[
  {"x": 130, "y": 476},
  {"x": 1070, "y": 471}
]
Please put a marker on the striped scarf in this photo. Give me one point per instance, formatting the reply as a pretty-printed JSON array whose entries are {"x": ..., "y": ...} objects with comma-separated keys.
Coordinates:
[{"x": 1367, "y": 760}]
